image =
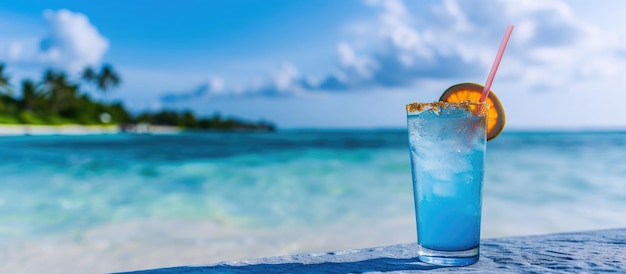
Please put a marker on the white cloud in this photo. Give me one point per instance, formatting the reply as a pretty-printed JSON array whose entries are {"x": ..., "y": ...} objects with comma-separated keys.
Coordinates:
[
  {"x": 348, "y": 59},
  {"x": 213, "y": 87},
  {"x": 427, "y": 46},
  {"x": 216, "y": 84},
  {"x": 457, "y": 40},
  {"x": 395, "y": 27},
  {"x": 285, "y": 78},
  {"x": 71, "y": 43},
  {"x": 15, "y": 51},
  {"x": 74, "y": 42}
]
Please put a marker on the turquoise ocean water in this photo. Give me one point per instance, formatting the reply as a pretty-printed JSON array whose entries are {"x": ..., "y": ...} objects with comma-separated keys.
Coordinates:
[{"x": 307, "y": 190}]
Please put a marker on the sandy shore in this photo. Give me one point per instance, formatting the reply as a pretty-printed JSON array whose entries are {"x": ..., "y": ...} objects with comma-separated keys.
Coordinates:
[
  {"x": 137, "y": 245},
  {"x": 17, "y": 130}
]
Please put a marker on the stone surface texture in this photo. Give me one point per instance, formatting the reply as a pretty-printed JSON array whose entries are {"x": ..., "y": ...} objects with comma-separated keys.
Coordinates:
[{"x": 602, "y": 251}]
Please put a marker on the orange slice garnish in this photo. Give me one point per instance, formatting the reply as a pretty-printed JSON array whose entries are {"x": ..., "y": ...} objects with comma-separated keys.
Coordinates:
[{"x": 470, "y": 91}]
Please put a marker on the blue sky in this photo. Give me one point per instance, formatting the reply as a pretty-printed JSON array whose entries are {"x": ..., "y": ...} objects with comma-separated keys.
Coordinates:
[{"x": 337, "y": 64}]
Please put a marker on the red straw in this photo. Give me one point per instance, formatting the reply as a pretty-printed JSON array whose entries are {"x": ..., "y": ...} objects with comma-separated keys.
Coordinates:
[{"x": 496, "y": 63}]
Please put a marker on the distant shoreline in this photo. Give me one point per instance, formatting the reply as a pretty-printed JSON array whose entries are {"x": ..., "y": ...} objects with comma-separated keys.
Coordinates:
[
  {"x": 22, "y": 130},
  {"x": 77, "y": 129}
]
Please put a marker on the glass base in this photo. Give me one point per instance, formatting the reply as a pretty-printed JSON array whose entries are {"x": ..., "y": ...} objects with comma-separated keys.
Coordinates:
[{"x": 448, "y": 258}]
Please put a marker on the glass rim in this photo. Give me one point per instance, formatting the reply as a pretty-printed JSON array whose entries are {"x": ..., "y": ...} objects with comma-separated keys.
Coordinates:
[{"x": 435, "y": 106}]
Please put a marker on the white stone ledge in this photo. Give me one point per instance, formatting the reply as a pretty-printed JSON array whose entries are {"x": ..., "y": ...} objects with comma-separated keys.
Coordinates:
[{"x": 580, "y": 252}]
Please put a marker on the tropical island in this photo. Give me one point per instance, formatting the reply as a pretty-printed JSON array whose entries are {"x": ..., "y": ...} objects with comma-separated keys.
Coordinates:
[{"x": 56, "y": 100}]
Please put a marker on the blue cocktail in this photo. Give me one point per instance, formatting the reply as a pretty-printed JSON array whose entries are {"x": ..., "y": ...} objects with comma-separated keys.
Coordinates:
[{"x": 447, "y": 145}]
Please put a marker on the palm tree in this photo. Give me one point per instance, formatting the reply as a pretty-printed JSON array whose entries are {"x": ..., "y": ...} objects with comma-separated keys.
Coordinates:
[
  {"x": 31, "y": 98},
  {"x": 108, "y": 78},
  {"x": 89, "y": 75},
  {"x": 5, "y": 87},
  {"x": 105, "y": 80},
  {"x": 6, "y": 92},
  {"x": 60, "y": 92}
]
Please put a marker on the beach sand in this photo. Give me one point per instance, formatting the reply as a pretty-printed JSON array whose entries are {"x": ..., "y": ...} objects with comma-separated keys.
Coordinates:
[
  {"x": 151, "y": 244},
  {"x": 17, "y": 130},
  {"x": 141, "y": 245},
  {"x": 56, "y": 130}
]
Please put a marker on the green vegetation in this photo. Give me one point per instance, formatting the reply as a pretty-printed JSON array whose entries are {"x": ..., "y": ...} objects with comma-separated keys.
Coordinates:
[
  {"x": 55, "y": 100},
  {"x": 187, "y": 120}
]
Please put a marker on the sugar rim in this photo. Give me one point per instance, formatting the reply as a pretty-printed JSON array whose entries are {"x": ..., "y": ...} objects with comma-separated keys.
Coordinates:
[{"x": 437, "y": 106}]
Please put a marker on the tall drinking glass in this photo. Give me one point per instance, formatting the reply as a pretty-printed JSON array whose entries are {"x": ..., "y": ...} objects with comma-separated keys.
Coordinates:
[{"x": 447, "y": 145}]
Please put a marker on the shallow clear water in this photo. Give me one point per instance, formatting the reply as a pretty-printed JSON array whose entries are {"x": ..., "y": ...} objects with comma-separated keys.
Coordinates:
[
  {"x": 306, "y": 191},
  {"x": 57, "y": 184}
]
